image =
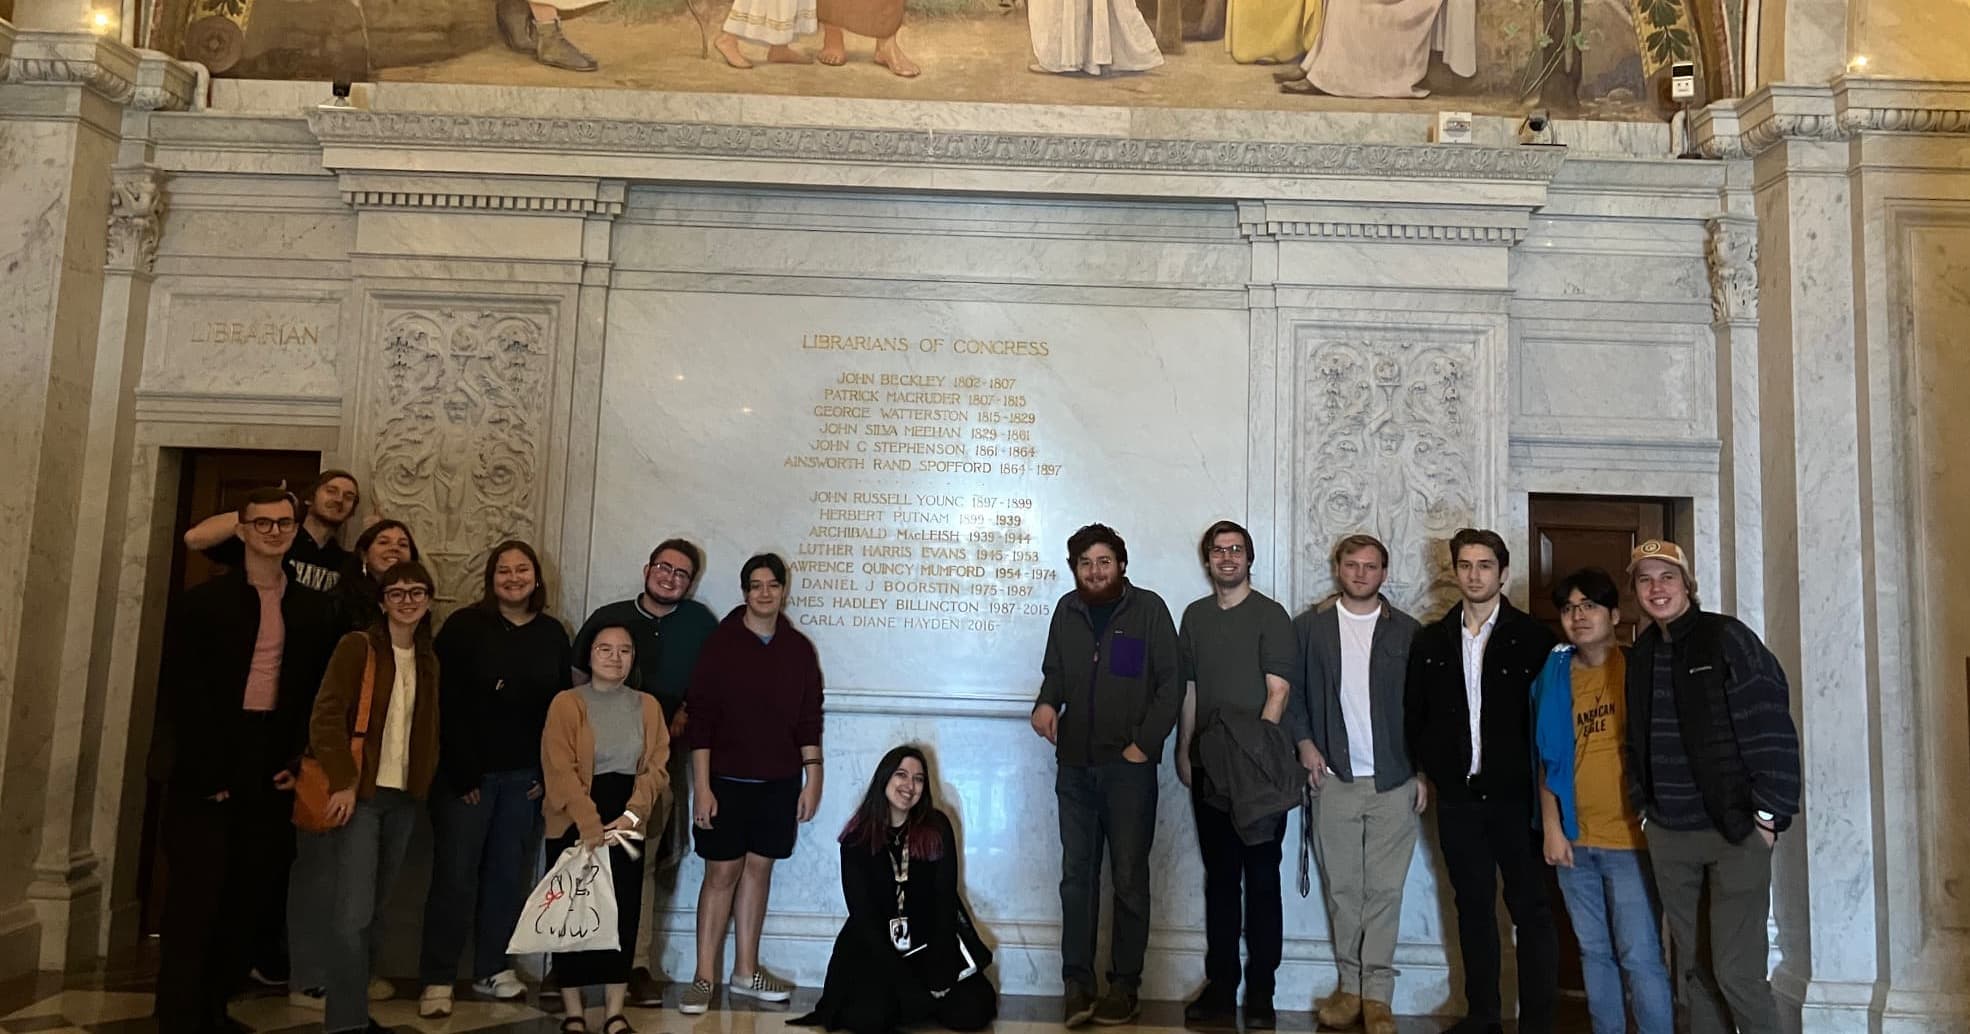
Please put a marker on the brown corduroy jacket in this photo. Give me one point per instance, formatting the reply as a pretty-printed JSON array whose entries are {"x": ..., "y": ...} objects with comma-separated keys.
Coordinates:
[
  {"x": 333, "y": 724},
  {"x": 567, "y": 764}
]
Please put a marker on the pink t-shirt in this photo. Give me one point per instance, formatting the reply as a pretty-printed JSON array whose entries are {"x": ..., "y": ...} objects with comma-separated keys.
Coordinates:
[{"x": 263, "y": 676}]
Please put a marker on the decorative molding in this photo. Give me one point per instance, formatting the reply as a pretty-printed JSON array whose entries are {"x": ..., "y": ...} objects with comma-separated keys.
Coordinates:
[
  {"x": 197, "y": 407},
  {"x": 1732, "y": 251},
  {"x": 136, "y": 218},
  {"x": 6, "y": 47},
  {"x": 1325, "y": 230},
  {"x": 1839, "y": 111},
  {"x": 357, "y": 127},
  {"x": 141, "y": 78},
  {"x": 361, "y": 198},
  {"x": 457, "y": 424},
  {"x": 1387, "y": 444},
  {"x": 166, "y": 84}
]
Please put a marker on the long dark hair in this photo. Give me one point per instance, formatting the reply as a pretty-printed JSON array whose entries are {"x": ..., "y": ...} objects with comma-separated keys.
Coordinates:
[
  {"x": 869, "y": 826},
  {"x": 357, "y": 586},
  {"x": 489, "y": 601}
]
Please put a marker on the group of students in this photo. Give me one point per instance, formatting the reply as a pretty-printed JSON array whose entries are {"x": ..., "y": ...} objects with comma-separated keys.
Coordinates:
[
  {"x": 509, "y": 732},
  {"x": 1655, "y": 780}
]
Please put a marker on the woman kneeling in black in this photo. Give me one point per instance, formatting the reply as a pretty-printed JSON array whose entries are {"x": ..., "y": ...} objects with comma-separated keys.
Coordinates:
[{"x": 908, "y": 953}]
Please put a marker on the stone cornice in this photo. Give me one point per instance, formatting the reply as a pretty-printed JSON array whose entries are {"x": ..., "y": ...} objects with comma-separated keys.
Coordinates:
[
  {"x": 140, "y": 78},
  {"x": 6, "y": 46},
  {"x": 1291, "y": 220},
  {"x": 935, "y": 148},
  {"x": 1839, "y": 111}
]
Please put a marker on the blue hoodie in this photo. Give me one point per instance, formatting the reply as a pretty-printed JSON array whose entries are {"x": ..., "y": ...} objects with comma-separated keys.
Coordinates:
[{"x": 1552, "y": 733}]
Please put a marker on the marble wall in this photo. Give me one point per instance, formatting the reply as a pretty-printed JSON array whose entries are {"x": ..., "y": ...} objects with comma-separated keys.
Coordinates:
[{"x": 488, "y": 316}]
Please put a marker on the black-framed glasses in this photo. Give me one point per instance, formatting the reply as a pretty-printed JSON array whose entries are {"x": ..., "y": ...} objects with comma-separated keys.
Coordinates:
[
  {"x": 406, "y": 594},
  {"x": 268, "y": 525}
]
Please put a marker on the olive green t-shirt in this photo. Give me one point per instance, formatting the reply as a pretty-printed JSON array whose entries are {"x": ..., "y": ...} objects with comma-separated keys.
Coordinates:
[{"x": 1228, "y": 653}]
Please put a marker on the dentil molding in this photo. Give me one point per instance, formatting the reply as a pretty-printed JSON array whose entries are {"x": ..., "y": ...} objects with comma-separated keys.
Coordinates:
[
  {"x": 1839, "y": 111},
  {"x": 936, "y": 148}
]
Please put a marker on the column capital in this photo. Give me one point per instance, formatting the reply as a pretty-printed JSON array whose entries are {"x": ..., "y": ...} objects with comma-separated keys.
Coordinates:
[
  {"x": 1838, "y": 111},
  {"x": 136, "y": 218},
  {"x": 1732, "y": 251}
]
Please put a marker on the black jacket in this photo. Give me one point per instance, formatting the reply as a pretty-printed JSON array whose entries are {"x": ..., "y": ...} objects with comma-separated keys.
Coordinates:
[
  {"x": 495, "y": 680},
  {"x": 1115, "y": 690},
  {"x": 208, "y": 651},
  {"x": 1438, "y": 717},
  {"x": 1733, "y": 714}
]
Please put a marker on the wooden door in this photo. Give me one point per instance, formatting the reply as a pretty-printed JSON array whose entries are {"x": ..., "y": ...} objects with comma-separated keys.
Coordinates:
[
  {"x": 1570, "y": 532},
  {"x": 212, "y": 481}
]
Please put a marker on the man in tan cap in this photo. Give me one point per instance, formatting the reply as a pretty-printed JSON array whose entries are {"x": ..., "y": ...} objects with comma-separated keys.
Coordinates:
[{"x": 1716, "y": 780}]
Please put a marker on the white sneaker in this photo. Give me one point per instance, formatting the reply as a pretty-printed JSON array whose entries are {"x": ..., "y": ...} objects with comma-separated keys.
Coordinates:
[
  {"x": 307, "y": 998},
  {"x": 504, "y": 986},
  {"x": 381, "y": 990},
  {"x": 434, "y": 1003},
  {"x": 760, "y": 986}
]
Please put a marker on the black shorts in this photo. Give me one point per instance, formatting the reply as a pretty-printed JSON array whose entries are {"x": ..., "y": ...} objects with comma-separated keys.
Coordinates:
[{"x": 753, "y": 818}]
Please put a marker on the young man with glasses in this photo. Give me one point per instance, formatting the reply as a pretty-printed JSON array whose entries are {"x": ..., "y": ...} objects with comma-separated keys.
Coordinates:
[
  {"x": 315, "y": 557},
  {"x": 1237, "y": 653},
  {"x": 669, "y": 630},
  {"x": 242, "y": 659}
]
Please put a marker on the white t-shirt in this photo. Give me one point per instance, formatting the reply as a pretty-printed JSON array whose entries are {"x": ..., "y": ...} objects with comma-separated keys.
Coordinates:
[
  {"x": 1474, "y": 682},
  {"x": 1357, "y": 707},
  {"x": 393, "y": 757}
]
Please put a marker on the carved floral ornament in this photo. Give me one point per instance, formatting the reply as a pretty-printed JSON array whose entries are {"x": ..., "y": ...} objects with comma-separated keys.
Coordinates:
[
  {"x": 458, "y": 418},
  {"x": 136, "y": 219},
  {"x": 1386, "y": 444},
  {"x": 1733, "y": 258}
]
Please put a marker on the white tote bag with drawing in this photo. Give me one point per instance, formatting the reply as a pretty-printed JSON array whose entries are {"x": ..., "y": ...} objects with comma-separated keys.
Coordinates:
[{"x": 573, "y": 908}]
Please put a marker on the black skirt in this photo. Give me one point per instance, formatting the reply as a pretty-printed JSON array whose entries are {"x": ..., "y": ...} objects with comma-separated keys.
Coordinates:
[{"x": 610, "y": 791}]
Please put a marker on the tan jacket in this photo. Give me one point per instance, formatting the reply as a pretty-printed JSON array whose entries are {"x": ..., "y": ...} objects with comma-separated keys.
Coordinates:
[
  {"x": 333, "y": 724},
  {"x": 567, "y": 764}
]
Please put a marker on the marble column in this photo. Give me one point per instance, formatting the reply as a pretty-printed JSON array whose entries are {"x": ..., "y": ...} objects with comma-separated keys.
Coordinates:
[
  {"x": 65, "y": 99},
  {"x": 1733, "y": 256}
]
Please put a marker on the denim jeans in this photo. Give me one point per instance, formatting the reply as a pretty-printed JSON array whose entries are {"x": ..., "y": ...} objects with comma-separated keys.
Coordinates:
[
  {"x": 310, "y": 888},
  {"x": 1611, "y": 898},
  {"x": 366, "y": 856},
  {"x": 482, "y": 858},
  {"x": 1241, "y": 892},
  {"x": 1113, "y": 803}
]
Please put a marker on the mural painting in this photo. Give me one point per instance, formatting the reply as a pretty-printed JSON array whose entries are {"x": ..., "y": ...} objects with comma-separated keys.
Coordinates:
[{"x": 1578, "y": 58}]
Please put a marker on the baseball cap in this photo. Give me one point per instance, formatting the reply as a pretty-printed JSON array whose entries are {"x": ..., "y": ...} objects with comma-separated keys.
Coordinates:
[{"x": 1656, "y": 549}]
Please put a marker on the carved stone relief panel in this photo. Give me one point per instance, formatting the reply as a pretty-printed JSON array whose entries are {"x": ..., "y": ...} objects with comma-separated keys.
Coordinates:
[
  {"x": 1387, "y": 443},
  {"x": 458, "y": 412}
]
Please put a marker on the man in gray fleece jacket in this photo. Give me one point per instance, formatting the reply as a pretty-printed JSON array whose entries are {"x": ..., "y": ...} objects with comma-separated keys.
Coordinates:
[
  {"x": 1109, "y": 697},
  {"x": 1345, "y": 712}
]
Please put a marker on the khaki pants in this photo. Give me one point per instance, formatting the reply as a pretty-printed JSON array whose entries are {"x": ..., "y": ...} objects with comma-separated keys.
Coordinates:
[
  {"x": 1363, "y": 841},
  {"x": 1721, "y": 956}
]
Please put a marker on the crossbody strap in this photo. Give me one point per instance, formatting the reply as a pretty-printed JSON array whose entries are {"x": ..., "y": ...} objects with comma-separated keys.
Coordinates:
[{"x": 362, "y": 704}]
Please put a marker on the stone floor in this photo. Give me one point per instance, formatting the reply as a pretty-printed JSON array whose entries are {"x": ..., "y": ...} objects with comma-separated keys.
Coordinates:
[{"x": 117, "y": 1000}]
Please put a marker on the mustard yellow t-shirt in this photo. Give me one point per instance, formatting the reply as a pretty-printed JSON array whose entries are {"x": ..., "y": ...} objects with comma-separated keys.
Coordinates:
[{"x": 1600, "y": 789}]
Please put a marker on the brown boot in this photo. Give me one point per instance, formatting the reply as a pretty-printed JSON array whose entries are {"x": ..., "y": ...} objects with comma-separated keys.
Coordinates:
[
  {"x": 551, "y": 48},
  {"x": 1376, "y": 1018},
  {"x": 516, "y": 24},
  {"x": 1340, "y": 1011}
]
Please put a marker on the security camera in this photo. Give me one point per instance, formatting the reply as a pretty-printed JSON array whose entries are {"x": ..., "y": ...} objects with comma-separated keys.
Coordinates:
[
  {"x": 339, "y": 91},
  {"x": 1535, "y": 125}
]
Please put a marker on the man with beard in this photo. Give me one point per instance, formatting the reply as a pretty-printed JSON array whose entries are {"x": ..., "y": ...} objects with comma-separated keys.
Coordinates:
[
  {"x": 316, "y": 557},
  {"x": 1347, "y": 717},
  {"x": 1108, "y": 698},
  {"x": 668, "y": 629},
  {"x": 1237, "y": 653},
  {"x": 1467, "y": 706}
]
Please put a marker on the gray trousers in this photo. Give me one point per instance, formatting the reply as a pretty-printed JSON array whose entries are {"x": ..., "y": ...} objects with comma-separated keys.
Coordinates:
[
  {"x": 1363, "y": 841},
  {"x": 1720, "y": 966}
]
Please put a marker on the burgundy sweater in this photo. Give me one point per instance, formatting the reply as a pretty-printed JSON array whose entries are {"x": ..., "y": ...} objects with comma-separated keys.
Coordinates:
[{"x": 754, "y": 704}]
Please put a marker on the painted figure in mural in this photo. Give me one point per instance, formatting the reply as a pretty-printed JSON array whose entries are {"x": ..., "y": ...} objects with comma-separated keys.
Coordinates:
[
  {"x": 535, "y": 28},
  {"x": 1271, "y": 32},
  {"x": 774, "y": 23},
  {"x": 1090, "y": 36},
  {"x": 877, "y": 19},
  {"x": 1381, "y": 48}
]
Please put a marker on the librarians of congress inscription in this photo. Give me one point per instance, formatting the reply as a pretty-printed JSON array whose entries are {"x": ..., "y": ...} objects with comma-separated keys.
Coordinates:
[{"x": 922, "y": 485}]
